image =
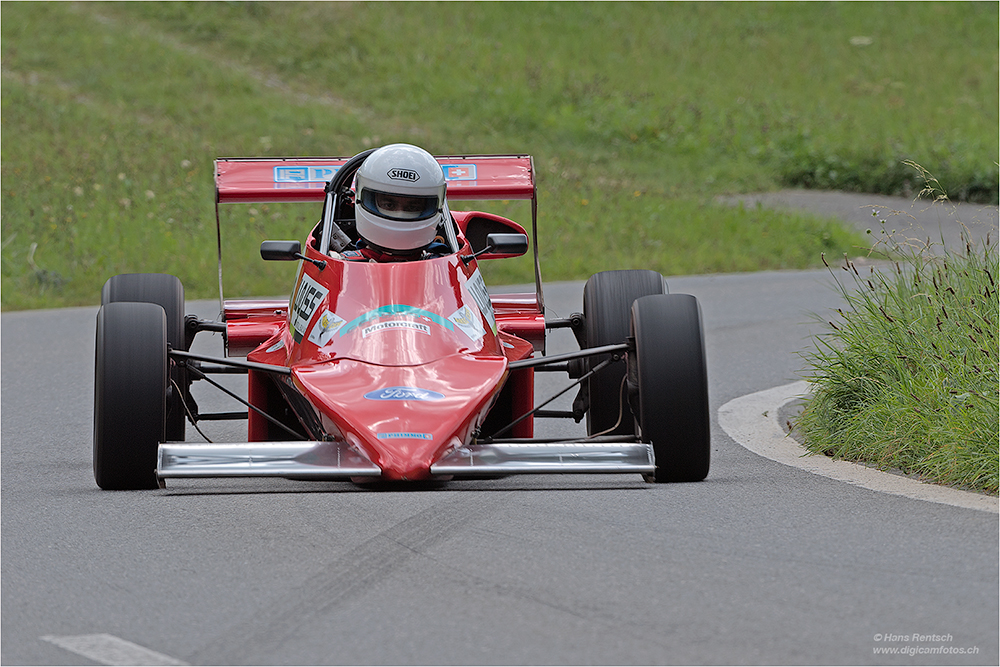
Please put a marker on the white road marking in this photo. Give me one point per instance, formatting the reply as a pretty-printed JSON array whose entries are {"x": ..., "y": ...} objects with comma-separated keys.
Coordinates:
[
  {"x": 111, "y": 650},
  {"x": 752, "y": 421}
]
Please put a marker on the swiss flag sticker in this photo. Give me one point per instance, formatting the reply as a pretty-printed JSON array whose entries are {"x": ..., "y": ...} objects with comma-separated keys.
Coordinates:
[{"x": 459, "y": 172}]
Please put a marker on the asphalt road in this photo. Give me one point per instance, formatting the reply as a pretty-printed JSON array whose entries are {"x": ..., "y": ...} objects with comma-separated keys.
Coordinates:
[
  {"x": 912, "y": 223},
  {"x": 759, "y": 564}
]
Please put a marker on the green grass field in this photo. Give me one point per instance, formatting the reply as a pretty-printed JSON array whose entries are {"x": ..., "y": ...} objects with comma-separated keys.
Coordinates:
[{"x": 638, "y": 114}]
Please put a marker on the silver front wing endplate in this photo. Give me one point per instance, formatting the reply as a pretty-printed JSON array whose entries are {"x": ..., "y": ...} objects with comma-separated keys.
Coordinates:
[
  {"x": 339, "y": 460},
  {"x": 509, "y": 458},
  {"x": 310, "y": 459}
]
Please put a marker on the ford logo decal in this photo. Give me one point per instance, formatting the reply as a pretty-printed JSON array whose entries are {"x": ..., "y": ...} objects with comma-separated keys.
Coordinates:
[{"x": 403, "y": 394}]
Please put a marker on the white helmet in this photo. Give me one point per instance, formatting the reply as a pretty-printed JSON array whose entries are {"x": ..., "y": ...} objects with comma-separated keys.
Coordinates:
[{"x": 399, "y": 197}]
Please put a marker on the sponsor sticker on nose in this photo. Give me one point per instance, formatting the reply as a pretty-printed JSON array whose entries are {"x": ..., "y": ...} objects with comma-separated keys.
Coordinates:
[{"x": 403, "y": 394}]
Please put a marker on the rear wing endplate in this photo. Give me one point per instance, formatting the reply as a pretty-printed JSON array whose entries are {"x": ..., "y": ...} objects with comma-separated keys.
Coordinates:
[{"x": 302, "y": 179}]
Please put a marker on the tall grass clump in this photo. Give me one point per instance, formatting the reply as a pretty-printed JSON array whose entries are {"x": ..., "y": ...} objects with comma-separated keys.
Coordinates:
[{"x": 906, "y": 378}]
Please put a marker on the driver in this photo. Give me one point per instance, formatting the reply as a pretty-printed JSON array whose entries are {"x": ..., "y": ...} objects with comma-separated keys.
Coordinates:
[{"x": 399, "y": 193}]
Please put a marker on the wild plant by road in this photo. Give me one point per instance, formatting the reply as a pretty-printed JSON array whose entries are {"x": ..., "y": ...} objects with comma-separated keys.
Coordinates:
[{"x": 906, "y": 377}]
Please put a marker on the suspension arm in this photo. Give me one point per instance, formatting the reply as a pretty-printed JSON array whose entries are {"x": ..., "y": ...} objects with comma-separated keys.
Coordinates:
[
  {"x": 589, "y": 352},
  {"x": 249, "y": 365}
]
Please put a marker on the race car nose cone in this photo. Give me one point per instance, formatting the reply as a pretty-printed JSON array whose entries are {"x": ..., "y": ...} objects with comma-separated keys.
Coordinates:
[
  {"x": 407, "y": 463},
  {"x": 403, "y": 417}
]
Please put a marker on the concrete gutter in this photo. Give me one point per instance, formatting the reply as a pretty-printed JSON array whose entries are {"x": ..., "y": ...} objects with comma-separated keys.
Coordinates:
[{"x": 753, "y": 422}]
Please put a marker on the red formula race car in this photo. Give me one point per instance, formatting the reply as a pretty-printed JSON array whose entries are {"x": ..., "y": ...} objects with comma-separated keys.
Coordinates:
[{"x": 399, "y": 370}]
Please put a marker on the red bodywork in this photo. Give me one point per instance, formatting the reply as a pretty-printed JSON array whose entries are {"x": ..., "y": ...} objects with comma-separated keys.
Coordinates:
[{"x": 403, "y": 361}]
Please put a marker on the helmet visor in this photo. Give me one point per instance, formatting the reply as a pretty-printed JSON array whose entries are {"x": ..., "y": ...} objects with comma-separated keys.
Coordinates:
[{"x": 399, "y": 207}]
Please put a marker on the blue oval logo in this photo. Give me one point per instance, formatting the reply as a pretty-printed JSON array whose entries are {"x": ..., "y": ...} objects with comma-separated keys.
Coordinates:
[{"x": 403, "y": 394}]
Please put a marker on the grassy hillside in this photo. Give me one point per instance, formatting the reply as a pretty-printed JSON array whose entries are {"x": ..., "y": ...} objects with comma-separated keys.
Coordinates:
[{"x": 637, "y": 114}]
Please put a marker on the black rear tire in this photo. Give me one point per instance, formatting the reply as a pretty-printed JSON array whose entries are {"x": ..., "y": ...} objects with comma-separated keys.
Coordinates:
[
  {"x": 130, "y": 394},
  {"x": 167, "y": 292},
  {"x": 668, "y": 375},
  {"x": 607, "y": 301}
]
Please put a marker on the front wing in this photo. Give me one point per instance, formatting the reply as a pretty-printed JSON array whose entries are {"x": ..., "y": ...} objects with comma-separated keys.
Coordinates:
[{"x": 339, "y": 460}]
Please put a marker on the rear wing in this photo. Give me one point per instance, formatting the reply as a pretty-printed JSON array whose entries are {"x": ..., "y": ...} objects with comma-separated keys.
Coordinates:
[
  {"x": 302, "y": 179},
  {"x": 273, "y": 180}
]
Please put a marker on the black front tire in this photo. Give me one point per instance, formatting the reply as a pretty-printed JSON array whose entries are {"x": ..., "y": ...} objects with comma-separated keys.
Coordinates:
[
  {"x": 130, "y": 394},
  {"x": 167, "y": 292},
  {"x": 607, "y": 302},
  {"x": 669, "y": 379}
]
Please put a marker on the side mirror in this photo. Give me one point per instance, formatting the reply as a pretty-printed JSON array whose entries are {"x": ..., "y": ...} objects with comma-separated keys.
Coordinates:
[
  {"x": 500, "y": 245},
  {"x": 281, "y": 250},
  {"x": 287, "y": 251},
  {"x": 506, "y": 245}
]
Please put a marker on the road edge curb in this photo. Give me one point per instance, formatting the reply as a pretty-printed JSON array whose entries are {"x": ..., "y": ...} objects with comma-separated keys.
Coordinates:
[{"x": 752, "y": 422}]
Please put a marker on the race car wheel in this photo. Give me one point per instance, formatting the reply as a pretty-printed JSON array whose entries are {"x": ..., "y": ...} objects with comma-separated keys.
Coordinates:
[
  {"x": 130, "y": 394},
  {"x": 166, "y": 291},
  {"x": 607, "y": 300},
  {"x": 669, "y": 381}
]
